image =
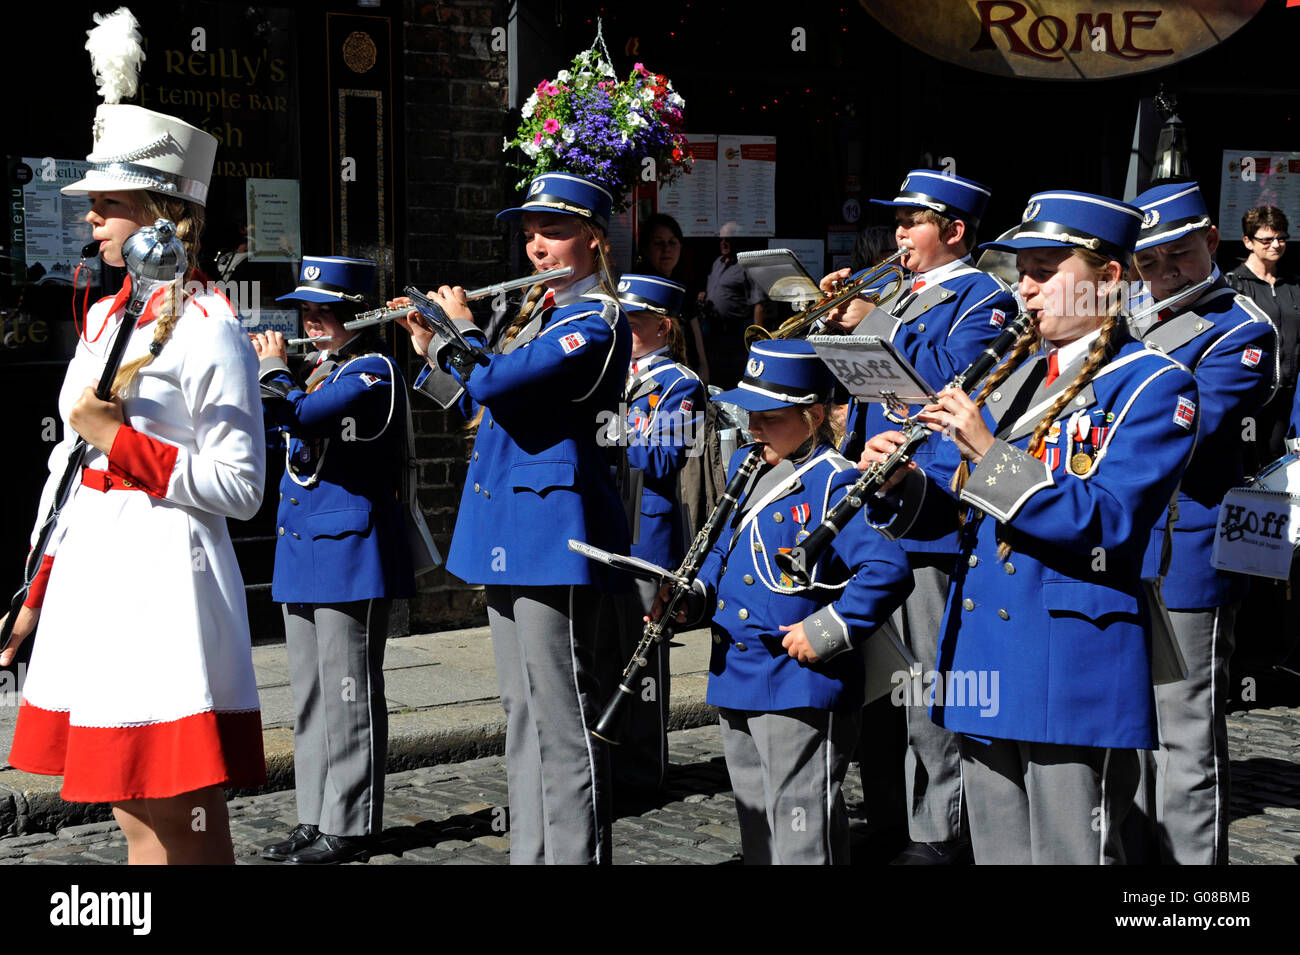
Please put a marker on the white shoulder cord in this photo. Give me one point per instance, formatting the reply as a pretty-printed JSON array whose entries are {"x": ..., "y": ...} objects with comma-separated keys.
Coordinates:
[{"x": 314, "y": 478}]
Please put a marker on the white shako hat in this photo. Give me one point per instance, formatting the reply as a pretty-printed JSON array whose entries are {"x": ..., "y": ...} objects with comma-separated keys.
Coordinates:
[{"x": 136, "y": 148}]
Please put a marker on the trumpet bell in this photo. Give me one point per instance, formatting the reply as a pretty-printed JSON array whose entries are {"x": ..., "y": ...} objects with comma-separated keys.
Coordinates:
[{"x": 755, "y": 333}]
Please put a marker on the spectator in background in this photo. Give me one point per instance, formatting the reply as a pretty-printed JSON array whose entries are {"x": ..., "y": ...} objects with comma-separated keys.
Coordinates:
[
  {"x": 875, "y": 244},
  {"x": 731, "y": 303},
  {"x": 1261, "y": 279},
  {"x": 658, "y": 253}
]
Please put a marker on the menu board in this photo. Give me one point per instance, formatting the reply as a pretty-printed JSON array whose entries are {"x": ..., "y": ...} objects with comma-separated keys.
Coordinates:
[
  {"x": 273, "y": 233},
  {"x": 47, "y": 247},
  {"x": 1256, "y": 177},
  {"x": 747, "y": 185},
  {"x": 693, "y": 199},
  {"x": 731, "y": 189}
]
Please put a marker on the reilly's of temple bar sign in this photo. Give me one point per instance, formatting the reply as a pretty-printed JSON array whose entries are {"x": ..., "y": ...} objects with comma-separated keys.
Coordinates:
[{"x": 1063, "y": 39}]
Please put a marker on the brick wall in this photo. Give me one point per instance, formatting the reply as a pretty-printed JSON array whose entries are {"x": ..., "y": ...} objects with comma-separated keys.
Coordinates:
[{"x": 455, "y": 119}]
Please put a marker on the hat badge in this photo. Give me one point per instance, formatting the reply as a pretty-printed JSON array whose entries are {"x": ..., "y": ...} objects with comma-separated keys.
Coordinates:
[
  {"x": 536, "y": 187},
  {"x": 311, "y": 273},
  {"x": 754, "y": 368},
  {"x": 624, "y": 285},
  {"x": 1031, "y": 211},
  {"x": 1150, "y": 218}
]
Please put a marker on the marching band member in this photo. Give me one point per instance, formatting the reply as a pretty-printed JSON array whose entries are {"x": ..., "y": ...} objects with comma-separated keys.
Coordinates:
[
  {"x": 1043, "y": 662},
  {"x": 341, "y": 556},
  {"x": 665, "y": 403},
  {"x": 141, "y": 691},
  {"x": 951, "y": 313},
  {"x": 1231, "y": 347},
  {"x": 789, "y": 690},
  {"x": 538, "y": 477}
]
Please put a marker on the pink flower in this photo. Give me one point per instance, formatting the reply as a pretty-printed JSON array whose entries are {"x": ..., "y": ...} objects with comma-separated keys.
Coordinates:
[
  {"x": 537, "y": 140},
  {"x": 551, "y": 125},
  {"x": 640, "y": 68}
]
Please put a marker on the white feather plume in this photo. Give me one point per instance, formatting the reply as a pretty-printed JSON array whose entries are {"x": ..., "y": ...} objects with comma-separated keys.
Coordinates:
[{"x": 115, "y": 54}]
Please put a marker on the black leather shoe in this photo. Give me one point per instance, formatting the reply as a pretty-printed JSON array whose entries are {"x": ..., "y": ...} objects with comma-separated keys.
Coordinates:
[
  {"x": 956, "y": 852},
  {"x": 333, "y": 850},
  {"x": 301, "y": 837}
]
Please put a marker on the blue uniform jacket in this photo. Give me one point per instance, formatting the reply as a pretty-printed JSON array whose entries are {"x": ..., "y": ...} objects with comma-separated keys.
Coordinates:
[
  {"x": 664, "y": 420},
  {"x": 340, "y": 531},
  {"x": 1231, "y": 348},
  {"x": 1052, "y": 644},
  {"x": 856, "y": 585},
  {"x": 940, "y": 330},
  {"x": 538, "y": 474}
]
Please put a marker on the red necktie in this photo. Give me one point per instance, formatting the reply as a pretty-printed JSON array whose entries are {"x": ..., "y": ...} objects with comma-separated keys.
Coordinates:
[
  {"x": 547, "y": 300},
  {"x": 1053, "y": 369},
  {"x": 918, "y": 285}
]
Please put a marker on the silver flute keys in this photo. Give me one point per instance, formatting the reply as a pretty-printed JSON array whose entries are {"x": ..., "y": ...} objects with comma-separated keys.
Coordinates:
[{"x": 379, "y": 316}]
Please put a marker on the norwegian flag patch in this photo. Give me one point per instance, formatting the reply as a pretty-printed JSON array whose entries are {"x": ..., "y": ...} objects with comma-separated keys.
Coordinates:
[
  {"x": 572, "y": 342},
  {"x": 801, "y": 513},
  {"x": 370, "y": 379},
  {"x": 1185, "y": 413},
  {"x": 1251, "y": 356},
  {"x": 998, "y": 318},
  {"x": 686, "y": 406}
]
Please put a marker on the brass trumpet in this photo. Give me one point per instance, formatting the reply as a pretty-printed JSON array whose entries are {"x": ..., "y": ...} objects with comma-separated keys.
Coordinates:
[{"x": 798, "y": 325}]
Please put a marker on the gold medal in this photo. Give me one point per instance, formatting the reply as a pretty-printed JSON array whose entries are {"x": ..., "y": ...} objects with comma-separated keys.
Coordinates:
[{"x": 1080, "y": 463}]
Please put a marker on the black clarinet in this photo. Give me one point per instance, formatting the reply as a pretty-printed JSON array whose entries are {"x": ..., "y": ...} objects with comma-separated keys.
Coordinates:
[
  {"x": 799, "y": 562},
  {"x": 608, "y": 726}
]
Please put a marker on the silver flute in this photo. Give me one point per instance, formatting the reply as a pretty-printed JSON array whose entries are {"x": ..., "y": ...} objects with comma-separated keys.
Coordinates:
[{"x": 379, "y": 316}]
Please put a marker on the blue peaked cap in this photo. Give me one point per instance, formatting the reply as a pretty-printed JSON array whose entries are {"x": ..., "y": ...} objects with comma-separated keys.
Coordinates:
[
  {"x": 948, "y": 195},
  {"x": 566, "y": 194},
  {"x": 1169, "y": 212},
  {"x": 650, "y": 293},
  {"x": 1075, "y": 220},
  {"x": 331, "y": 279},
  {"x": 781, "y": 373}
]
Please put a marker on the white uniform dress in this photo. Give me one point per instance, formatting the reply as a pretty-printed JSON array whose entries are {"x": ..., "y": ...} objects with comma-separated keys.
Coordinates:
[{"x": 141, "y": 679}]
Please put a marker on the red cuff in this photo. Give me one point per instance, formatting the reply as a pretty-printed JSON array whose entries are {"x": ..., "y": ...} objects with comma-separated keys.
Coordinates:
[
  {"x": 145, "y": 460},
  {"x": 36, "y": 592}
]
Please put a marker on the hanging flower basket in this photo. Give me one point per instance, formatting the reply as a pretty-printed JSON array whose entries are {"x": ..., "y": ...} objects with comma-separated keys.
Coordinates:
[{"x": 586, "y": 122}]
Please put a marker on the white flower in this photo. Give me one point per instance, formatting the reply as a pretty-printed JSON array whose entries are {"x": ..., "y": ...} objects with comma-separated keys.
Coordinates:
[
  {"x": 675, "y": 100},
  {"x": 505, "y": 144},
  {"x": 527, "y": 110},
  {"x": 636, "y": 120},
  {"x": 648, "y": 95},
  {"x": 606, "y": 69},
  {"x": 562, "y": 76},
  {"x": 634, "y": 105},
  {"x": 568, "y": 134}
]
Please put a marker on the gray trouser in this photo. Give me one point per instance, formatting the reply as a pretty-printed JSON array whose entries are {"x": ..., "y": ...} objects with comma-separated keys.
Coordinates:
[
  {"x": 558, "y": 773},
  {"x": 932, "y": 768},
  {"x": 641, "y": 759},
  {"x": 787, "y": 769},
  {"x": 1046, "y": 803},
  {"x": 1186, "y": 780},
  {"x": 340, "y": 731}
]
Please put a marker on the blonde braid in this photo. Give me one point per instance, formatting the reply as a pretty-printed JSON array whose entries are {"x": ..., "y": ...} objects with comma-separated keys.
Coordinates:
[
  {"x": 1096, "y": 358},
  {"x": 188, "y": 219},
  {"x": 538, "y": 292},
  {"x": 1025, "y": 346}
]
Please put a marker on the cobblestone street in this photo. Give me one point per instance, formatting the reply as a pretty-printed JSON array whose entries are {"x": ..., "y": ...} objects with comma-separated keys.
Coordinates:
[{"x": 452, "y": 814}]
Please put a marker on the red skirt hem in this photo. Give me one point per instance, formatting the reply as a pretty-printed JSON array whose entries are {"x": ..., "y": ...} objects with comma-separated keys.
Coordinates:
[{"x": 152, "y": 761}]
